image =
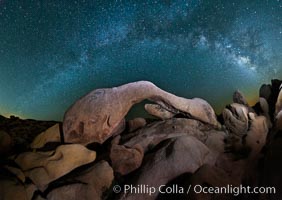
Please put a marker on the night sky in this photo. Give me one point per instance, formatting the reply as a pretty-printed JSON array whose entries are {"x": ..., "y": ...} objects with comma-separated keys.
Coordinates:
[{"x": 52, "y": 52}]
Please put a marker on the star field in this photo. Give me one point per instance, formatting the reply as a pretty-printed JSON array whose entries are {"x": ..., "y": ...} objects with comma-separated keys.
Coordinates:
[{"x": 53, "y": 52}]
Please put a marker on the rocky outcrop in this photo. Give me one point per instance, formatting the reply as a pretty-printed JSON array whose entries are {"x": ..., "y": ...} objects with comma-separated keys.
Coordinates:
[
  {"x": 236, "y": 119},
  {"x": 183, "y": 145},
  {"x": 100, "y": 114}
]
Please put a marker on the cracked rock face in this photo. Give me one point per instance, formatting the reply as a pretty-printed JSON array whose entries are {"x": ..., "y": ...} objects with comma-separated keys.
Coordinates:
[{"x": 100, "y": 114}]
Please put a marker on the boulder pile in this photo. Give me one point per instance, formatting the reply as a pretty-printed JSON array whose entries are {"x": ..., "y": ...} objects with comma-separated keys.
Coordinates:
[{"x": 95, "y": 153}]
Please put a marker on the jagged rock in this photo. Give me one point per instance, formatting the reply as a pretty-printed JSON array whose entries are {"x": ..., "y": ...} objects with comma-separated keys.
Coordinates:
[
  {"x": 236, "y": 119},
  {"x": 99, "y": 115},
  {"x": 158, "y": 111},
  {"x": 52, "y": 134},
  {"x": 239, "y": 98},
  {"x": 180, "y": 155},
  {"x": 6, "y": 143},
  {"x": 250, "y": 142},
  {"x": 136, "y": 123},
  {"x": 127, "y": 157},
  {"x": 45, "y": 167},
  {"x": 90, "y": 184}
]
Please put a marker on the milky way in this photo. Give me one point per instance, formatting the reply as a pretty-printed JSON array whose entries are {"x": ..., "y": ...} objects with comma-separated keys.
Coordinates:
[{"x": 52, "y": 52}]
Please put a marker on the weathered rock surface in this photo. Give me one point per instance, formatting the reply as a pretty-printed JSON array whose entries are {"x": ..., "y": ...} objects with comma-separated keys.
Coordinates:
[
  {"x": 52, "y": 134},
  {"x": 127, "y": 157},
  {"x": 153, "y": 134},
  {"x": 45, "y": 167},
  {"x": 161, "y": 167},
  {"x": 236, "y": 119},
  {"x": 248, "y": 131},
  {"x": 185, "y": 141},
  {"x": 99, "y": 114},
  {"x": 256, "y": 136}
]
